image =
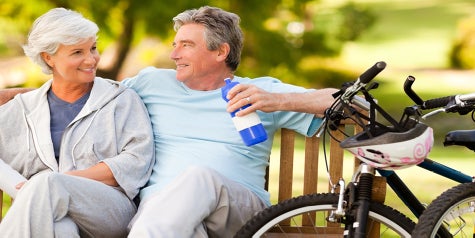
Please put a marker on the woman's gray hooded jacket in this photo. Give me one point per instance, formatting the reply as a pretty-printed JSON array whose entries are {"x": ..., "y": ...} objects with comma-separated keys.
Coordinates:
[{"x": 113, "y": 127}]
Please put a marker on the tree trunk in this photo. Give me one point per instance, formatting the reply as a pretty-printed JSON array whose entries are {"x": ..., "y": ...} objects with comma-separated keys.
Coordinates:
[{"x": 124, "y": 43}]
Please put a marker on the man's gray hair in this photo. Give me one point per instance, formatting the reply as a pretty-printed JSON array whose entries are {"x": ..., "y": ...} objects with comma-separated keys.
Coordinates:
[{"x": 221, "y": 27}]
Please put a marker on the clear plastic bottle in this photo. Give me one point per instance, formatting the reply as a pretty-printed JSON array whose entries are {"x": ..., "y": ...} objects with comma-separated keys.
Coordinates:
[{"x": 249, "y": 126}]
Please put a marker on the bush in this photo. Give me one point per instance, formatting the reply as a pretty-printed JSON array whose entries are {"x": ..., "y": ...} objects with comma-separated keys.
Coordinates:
[{"x": 462, "y": 55}]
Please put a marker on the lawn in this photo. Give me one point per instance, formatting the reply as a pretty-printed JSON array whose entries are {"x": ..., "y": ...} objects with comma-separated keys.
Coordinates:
[
  {"x": 409, "y": 34},
  {"x": 413, "y": 38}
]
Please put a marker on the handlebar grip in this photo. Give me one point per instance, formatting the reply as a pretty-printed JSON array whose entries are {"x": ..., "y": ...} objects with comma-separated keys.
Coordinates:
[
  {"x": 370, "y": 73},
  {"x": 409, "y": 92},
  {"x": 437, "y": 102}
]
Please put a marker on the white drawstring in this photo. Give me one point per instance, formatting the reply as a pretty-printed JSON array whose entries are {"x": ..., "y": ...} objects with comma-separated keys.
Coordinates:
[
  {"x": 27, "y": 131},
  {"x": 83, "y": 134}
]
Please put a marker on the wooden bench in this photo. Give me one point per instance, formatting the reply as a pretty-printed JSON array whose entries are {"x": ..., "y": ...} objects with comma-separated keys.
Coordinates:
[
  {"x": 285, "y": 182},
  {"x": 288, "y": 184}
]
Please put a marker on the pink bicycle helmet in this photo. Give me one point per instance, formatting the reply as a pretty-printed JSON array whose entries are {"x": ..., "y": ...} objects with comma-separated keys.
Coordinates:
[{"x": 392, "y": 150}]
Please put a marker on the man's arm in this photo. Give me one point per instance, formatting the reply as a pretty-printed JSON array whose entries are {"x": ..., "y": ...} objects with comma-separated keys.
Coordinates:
[
  {"x": 8, "y": 93},
  {"x": 314, "y": 102}
]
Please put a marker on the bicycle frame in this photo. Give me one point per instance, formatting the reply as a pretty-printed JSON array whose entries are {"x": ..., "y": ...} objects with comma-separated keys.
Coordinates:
[{"x": 406, "y": 195}]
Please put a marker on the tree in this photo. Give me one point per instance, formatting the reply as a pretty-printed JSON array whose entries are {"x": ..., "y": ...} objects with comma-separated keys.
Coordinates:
[{"x": 279, "y": 35}]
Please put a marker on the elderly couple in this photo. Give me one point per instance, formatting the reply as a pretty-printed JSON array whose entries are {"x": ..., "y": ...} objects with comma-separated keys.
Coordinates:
[{"x": 88, "y": 146}]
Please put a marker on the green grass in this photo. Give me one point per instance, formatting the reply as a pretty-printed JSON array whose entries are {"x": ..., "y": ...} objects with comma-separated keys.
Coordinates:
[
  {"x": 409, "y": 34},
  {"x": 6, "y": 203}
]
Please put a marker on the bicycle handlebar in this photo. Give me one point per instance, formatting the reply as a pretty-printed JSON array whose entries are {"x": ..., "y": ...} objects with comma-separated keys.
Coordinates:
[
  {"x": 361, "y": 82},
  {"x": 437, "y": 102},
  {"x": 461, "y": 103},
  {"x": 370, "y": 73},
  {"x": 347, "y": 103}
]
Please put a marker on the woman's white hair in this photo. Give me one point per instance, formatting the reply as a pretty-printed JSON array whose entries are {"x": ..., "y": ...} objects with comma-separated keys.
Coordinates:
[{"x": 57, "y": 26}]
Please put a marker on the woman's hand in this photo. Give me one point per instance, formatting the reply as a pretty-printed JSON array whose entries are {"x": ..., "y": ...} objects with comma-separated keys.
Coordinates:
[{"x": 18, "y": 186}]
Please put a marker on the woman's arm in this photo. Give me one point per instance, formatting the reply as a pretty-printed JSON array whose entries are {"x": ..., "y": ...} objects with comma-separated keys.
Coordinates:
[{"x": 100, "y": 172}]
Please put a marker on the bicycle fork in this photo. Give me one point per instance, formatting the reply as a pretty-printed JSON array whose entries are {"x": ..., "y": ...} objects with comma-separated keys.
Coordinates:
[
  {"x": 364, "y": 190},
  {"x": 354, "y": 210}
]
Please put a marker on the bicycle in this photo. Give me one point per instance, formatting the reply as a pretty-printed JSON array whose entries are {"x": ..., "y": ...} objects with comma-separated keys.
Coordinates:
[
  {"x": 350, "y": 211},
  {"x": 454, "y": 208}
]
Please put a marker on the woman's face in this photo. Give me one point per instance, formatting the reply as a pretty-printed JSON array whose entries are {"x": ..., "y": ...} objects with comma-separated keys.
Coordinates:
[{"x": 74, "y": 63}]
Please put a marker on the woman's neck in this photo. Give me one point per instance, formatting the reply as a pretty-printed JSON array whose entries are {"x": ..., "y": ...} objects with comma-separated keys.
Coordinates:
[{"x": 71, "y": 93}]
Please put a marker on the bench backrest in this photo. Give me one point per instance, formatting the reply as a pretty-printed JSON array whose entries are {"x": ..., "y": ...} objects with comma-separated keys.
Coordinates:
[
  {"x": 287, "y": 185},
  {"x": 312, "y": 147}
]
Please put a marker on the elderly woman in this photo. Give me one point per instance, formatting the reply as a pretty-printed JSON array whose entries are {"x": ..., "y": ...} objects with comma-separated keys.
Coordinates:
[{"x": 83, "y": 143}]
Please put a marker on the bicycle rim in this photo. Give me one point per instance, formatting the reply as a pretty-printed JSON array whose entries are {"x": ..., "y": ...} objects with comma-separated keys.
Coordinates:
[{"x": 314, "y": 209}]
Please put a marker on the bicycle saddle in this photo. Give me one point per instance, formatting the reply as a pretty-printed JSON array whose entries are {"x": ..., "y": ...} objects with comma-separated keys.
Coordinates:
[{"x": 461, "y": 137}]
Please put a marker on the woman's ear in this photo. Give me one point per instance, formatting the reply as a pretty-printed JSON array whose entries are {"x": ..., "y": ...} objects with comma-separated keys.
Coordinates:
[{"x": 47, "y": 58}]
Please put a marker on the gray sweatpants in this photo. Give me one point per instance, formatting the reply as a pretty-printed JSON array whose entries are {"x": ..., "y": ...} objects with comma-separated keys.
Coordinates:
[
  {"x": 199, "y": 203},
  {"x": 59, "y": 205}
]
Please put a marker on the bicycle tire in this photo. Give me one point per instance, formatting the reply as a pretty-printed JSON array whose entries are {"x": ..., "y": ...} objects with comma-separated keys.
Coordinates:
[
  {"x": 268, "y": 219},
  {"x": 448, "y": 209}
]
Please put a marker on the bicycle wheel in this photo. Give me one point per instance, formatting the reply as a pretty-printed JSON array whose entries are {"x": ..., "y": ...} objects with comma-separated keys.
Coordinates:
[
  {"x": 313, "y": 209},
  {"x": 454, "y": 209}
]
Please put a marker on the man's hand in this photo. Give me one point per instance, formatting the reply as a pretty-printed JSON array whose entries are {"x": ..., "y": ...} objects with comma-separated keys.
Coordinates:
[{"x": 243, "y": 94}]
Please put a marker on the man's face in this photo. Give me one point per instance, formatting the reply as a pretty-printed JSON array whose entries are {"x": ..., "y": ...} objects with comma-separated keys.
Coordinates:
[{"x": 195, "y": 64}]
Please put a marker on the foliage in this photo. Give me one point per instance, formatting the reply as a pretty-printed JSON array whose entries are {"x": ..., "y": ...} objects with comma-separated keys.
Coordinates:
[
  {"x": 279, "y": 35},
  {"x": 462, "y": 55},
  {"x": 16, "y": 17},
  {"x": 358, "y": 17}
]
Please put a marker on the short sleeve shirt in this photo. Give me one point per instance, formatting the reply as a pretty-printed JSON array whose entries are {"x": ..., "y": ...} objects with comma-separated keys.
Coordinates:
[{"x": 193, "y": 128}]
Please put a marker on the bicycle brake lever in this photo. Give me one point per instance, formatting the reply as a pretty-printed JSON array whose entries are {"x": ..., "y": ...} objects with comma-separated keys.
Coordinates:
[{"x": 433, "y": 113}]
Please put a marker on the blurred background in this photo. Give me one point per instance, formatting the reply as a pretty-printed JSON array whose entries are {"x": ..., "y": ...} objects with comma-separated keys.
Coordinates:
[{"x": 311, "y": 43}]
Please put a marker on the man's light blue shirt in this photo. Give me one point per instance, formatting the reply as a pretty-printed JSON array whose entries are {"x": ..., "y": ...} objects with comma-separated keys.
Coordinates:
[{"x": 192, "y": 128}]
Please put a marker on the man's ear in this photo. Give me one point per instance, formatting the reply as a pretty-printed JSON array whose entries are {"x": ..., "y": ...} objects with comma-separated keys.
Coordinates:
[{"x": 223, "y": 51}]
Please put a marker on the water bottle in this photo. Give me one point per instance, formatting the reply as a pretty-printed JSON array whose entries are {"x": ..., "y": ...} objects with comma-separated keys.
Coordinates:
[{"x": 249, "y": 126}]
